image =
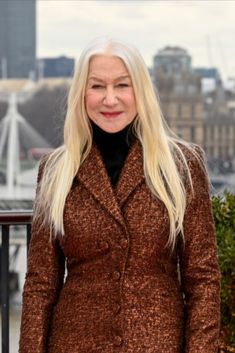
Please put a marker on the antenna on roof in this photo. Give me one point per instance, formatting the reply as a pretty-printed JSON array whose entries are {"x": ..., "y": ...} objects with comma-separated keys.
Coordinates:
[
  {"x": 4, "y": 68},
  {"x": 209, "y": 52}
]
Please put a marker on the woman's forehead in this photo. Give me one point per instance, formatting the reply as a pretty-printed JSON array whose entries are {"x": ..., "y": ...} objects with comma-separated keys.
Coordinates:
[{"x": 107, "y": 66}]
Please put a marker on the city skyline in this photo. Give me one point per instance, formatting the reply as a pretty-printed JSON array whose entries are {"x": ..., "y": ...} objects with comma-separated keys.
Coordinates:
[{"x": 204, "y": 28}]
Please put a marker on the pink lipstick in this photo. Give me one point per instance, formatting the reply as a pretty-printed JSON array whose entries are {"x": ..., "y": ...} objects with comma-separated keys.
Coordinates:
[{"x": 111, "y": 114}]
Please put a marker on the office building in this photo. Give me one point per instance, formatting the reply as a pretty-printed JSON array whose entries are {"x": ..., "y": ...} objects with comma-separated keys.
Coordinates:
[
  {"x": 55, "y": 67},
  {"x": 17, "y": 38}
]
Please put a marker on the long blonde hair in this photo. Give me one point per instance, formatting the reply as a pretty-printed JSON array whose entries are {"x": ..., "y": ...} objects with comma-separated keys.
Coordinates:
[{"x": 158, "y": 144}]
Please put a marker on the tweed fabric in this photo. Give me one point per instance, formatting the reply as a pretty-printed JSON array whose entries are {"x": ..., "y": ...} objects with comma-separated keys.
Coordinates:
[{"x": 122, "y": 292}]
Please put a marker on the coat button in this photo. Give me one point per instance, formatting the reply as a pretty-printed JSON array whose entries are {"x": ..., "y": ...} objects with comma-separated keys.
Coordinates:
[
  {"x": 116, "y": 275},
  {"x": 117, "y": 309},
  {"x": 117, "y": 340},
  {"x": 124, "y": 243},
  {"x": 103, "y": 245}
]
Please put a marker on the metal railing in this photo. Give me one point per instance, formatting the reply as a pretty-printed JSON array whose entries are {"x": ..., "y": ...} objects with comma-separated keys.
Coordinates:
[{"x": 8, "y": 219}]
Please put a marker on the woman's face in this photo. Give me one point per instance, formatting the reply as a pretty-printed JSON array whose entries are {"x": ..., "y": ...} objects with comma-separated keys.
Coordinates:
[{"x": 109, "y": 98}]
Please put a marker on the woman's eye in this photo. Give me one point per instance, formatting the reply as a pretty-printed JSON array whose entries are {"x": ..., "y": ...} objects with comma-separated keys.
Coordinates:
[
  {"x": 122, "y": 85},
  {"x": 97, "y": 86}
]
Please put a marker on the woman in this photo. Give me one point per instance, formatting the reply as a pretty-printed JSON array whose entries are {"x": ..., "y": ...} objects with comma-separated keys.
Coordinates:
[{"x": 122, "y": 205}]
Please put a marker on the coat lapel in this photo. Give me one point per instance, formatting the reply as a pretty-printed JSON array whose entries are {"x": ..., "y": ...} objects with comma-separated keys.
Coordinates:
[
  {"x": 132, "y": 173},
  {"x": 93, "y": 175}
]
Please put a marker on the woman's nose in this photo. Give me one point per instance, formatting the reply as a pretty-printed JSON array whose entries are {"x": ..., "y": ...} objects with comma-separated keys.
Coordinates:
[{"x": 110, "y": 98}]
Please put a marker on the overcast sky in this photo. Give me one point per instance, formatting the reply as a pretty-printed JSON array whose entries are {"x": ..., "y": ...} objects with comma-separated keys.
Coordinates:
[{"x": 205, "y": 28}]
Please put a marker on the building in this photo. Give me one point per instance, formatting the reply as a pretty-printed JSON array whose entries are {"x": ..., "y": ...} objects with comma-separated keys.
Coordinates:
[
  {"x": 180, "y": 93},
  {"x": 196, "y": 106},
  {"x": 17, "y": 38},
  {"x": 210, "y": 78},
  {"x": 219, "y": 137},
  {"x": 208, "y": 72},
  {"x": 185, "y": 116},
  {"x": 171, "y": 61},
  {"x": 219, "y": 128},
  {"x": 55, "y": 67}
]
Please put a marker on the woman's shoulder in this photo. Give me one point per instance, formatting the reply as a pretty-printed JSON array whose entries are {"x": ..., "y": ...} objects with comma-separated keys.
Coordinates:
[
  {"x": 191, "y": 151},
  {"x": 189, "y": 155},
  {"x": 48, "y": 160},
  {"x": 190, "y": 159}
]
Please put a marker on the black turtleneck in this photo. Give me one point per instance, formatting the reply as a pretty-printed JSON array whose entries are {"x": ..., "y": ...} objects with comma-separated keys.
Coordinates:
[{"x": 114, "y": 148}]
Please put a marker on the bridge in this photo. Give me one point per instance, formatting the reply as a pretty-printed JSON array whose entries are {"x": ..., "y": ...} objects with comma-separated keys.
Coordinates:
[{"x": 17, "y": 139}]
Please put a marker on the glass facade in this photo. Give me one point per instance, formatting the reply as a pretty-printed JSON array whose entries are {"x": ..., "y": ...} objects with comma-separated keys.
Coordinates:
[{"x": 17, "y": 38}]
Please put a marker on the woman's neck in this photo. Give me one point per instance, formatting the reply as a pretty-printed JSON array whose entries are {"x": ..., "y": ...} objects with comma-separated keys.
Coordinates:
[
  {"x": 122, "y": 137},
  {"x": 114, "y": 148}
]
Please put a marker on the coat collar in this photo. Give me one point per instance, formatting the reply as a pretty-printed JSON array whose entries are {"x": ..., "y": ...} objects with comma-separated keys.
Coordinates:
[{"x": 93, "y": 175}]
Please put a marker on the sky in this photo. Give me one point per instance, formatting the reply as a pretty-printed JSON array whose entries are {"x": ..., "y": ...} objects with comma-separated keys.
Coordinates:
[{"x": 206, "y": 29}]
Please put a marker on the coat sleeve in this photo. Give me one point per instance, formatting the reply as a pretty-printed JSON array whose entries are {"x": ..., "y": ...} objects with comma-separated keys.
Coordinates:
[
  {"x": 200, "y": 275},
  {"x": 44, "y": 279}
]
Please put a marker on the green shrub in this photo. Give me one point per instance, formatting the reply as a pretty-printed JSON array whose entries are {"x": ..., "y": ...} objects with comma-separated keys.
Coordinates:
[{"x": 224, "y": 215}]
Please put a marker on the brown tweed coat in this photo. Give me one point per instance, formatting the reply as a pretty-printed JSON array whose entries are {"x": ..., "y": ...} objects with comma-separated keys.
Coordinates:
[{"x": 121, "y": 291}]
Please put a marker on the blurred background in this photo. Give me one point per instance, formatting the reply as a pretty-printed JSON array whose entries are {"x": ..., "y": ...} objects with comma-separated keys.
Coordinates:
[{"x": 188, "y": 47}]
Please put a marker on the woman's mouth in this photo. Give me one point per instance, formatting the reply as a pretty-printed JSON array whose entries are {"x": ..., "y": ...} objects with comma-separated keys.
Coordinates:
[{"x": 111, "y": 114}]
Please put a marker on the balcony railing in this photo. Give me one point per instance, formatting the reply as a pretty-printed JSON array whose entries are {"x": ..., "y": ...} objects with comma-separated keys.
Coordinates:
[{"x": 8, "y": 219}]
